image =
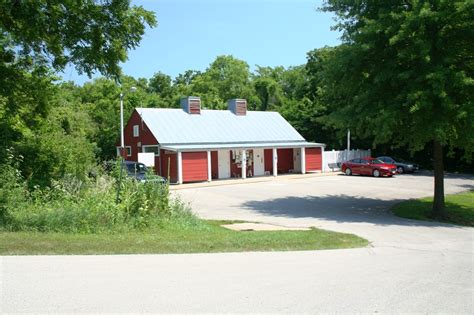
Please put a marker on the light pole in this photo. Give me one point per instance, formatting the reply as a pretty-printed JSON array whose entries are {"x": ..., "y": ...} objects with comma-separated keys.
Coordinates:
[
  {"x": 122, "y": 143},
  {"x": 122, "y": 140}
]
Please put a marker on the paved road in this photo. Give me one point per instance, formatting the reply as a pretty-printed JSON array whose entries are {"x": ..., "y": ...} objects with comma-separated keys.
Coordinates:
[
  {"x": 354, "y": 204},
  {"x": 410, "y": 267}
]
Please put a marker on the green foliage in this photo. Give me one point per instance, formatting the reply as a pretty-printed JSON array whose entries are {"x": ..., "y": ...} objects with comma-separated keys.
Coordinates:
[
  {"x": 86, "y": 206},
  {"x": 226, "y": 78},
  {"x": 405, "y": 75},
  {"x": 268, "y": 87},
  {"x": 94, "y": 36},
  {"x": 405, "y": 72},
  {"x": 61, "y": 145},
  {"x": 12, "y": 187},
  {"x": 46, "y": 123}
]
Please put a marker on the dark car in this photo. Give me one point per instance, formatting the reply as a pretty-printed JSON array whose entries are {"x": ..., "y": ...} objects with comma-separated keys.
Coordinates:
[
  {"x": 402, "y": 165},
  {"x": 141, "y": 173},
  {"x": 368, "y": 166}
]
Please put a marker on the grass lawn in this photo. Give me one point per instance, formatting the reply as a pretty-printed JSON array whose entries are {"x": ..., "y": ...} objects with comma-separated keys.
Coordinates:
[
  {"x": 459, "y": 209},
  {"x": 211, "y": 239}
]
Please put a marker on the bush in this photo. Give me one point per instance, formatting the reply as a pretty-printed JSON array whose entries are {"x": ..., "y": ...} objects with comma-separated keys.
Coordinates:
[
  {"x": 12, "y": 188},
  {"x": 73, "y": 205}
]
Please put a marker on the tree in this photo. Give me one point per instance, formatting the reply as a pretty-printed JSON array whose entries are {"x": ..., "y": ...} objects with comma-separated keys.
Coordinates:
[
  {"x": 404, "y": 74},
  {"x": 92, "y": 35},
  {"x": 268, "y": 87},
  {"x": 186, "y": 78},
  {"x": 160, "y": 83},
  {"x": 62, "y": 145},
  {"x": 38, "y": 39},
  {"x": 226, "y": 78}
]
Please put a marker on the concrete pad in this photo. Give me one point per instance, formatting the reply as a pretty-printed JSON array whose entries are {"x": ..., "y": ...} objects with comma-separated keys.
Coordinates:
[{"x": 248, "y": 226}]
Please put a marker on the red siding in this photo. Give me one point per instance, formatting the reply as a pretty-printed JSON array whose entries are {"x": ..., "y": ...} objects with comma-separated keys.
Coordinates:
[
  {"x": 144, "y": 136},
  {"x": 285, "y": 160},
  {"x": 172, "y": 157},
  {"x": 194, "y": 166},
  {"x": 313, "y": 159},
  {"x": 214, "y": 165},
  {"x": 268, "y": 160}
]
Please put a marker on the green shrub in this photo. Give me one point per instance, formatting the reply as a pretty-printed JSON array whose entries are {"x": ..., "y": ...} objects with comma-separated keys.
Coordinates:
[
  {"x": 90, "y": 206},
  {"x": 181, "y": 217},
  {"x": 13, "y": 190}
]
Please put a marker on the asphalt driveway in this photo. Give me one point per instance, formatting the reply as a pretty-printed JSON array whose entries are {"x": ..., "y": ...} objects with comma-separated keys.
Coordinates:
[
  {"x": 411, "y": 266},
  {"x": 355, "y": 204}
]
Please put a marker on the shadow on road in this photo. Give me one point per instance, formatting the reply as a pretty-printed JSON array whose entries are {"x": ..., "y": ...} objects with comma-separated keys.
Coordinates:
[{"x": 339, "y": 208}]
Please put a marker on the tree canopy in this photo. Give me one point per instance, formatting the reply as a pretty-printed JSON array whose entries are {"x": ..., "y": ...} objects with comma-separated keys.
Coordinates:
[
  {"x": 404, "y": 74},
  {"x": 92, "y": 35},
  {"x": 39, "y": 38}
]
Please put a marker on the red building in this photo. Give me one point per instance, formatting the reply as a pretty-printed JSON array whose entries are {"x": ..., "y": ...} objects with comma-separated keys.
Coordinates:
[{"x": 193, "y": 144}]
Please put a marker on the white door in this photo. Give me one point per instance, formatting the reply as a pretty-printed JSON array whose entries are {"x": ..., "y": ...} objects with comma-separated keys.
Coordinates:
[
  {"x": 258, "y": 162},
  {"x": 223, "y": 163}
]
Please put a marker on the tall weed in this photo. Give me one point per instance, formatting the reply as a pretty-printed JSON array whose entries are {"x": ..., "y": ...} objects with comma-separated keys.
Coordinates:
[{"x": 77, "y": 206}]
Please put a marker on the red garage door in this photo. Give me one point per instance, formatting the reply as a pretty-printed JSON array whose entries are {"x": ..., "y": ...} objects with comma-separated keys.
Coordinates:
[
  {"x": 214, "y": 165},
  {"x": 268, "y": 160},
  {"x": 285, "y": 160},
  {"x": 194, "y": 166},
  {"x": 313, "y": 159}
]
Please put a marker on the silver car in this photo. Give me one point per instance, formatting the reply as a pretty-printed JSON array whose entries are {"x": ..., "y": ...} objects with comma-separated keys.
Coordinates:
[{"x": 402, "y": 165}]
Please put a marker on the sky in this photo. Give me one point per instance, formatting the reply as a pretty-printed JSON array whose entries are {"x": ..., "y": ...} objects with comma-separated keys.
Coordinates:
[{"x": 191, "y": 34}]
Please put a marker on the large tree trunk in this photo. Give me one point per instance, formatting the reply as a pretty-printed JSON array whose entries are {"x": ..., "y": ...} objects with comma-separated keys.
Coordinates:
[{"x": 438, "y": 201}]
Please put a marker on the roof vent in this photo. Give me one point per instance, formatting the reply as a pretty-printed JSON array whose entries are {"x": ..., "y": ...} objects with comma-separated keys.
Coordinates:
[
  {"x": 238, "y": 106},
  {"x": 191, "y": 105}
]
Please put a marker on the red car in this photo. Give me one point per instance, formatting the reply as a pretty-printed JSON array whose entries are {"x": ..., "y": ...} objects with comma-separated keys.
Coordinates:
[{"x": 368, "y": 166}]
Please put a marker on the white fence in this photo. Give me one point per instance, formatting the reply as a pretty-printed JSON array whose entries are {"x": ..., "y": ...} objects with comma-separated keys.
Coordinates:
[{"x": 333, "y": 159}]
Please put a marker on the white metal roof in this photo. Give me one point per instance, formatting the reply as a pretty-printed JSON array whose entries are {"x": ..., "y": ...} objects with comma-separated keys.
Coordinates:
[
  {"x": 176, "y": 127},
  {"x": 246, "y": 145}
]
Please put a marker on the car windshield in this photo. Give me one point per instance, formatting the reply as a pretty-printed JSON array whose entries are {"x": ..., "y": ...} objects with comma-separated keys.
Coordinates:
[
  {"x": 375, "y": 161},
  {"x": 400, "y": 160},
  {"x": 140, "y": 168}
]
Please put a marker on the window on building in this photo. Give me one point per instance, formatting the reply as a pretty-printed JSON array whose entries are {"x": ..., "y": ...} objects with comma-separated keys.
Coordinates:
[
  {"x": 151, "y": 149},
  {"x": 128, "y": 148},
  {"x": 135, "y": 130}
]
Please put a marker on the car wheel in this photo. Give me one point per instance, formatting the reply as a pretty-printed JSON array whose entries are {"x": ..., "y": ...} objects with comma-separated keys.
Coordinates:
[
  {"x": 376, "y": 173},
  {"x": 348, "y": 172},
  {"x": 400, "y": 170}
]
